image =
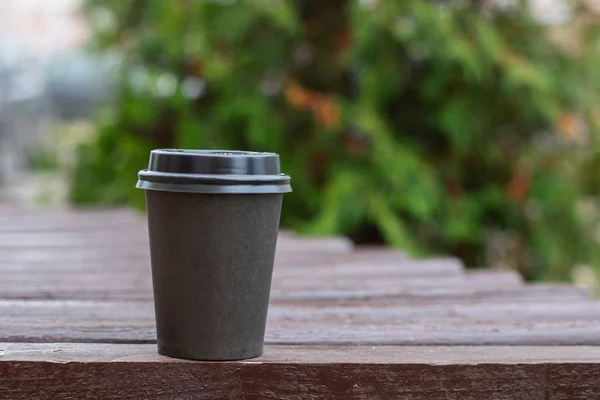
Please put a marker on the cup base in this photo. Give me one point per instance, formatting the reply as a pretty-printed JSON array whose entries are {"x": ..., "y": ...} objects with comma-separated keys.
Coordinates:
[{"x": 229, "y": 355}]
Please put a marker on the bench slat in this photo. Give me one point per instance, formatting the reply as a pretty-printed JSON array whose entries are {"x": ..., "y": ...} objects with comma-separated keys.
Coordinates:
[{"x": 131, "y": 371}]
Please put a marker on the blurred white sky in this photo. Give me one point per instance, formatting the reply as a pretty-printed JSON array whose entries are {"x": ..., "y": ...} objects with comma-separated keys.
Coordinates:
[
  {"x": 42, "y": 27},
  {"x": 551, "y": 11}
]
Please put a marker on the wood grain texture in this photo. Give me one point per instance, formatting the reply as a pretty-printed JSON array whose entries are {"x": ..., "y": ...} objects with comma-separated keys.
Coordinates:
[
  {"x": 356, "y": 331},
  {"x": 137, "y": 238},
  {"x": 344, "y": 322},
  {"x": 139, "y": 283},
  {"x": 122, "y": 272},
  {"x": 137, "y": 288},
  {"x": 323, "y": 270},
  {"x": 459, "y": 322},
  {"x": 298, "y": 354},
  {"x": 556, "y": 307},
  {"x": 304, "y": 373}
]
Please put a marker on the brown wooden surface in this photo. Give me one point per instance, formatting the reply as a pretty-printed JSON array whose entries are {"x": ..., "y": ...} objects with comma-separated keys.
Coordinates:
[
  {"x": 75, "y": 286},
  {"x": 127, "y": 371}
]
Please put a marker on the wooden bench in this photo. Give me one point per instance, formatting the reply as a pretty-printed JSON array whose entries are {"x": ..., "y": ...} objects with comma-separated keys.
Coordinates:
[{"x": 77, "y": 321}]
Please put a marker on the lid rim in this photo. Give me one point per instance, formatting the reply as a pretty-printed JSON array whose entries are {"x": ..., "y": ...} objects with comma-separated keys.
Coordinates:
[
  {"x": 174, "y": 177},
  {"x": 214, "y": 153},
  {"x": 203, "y": 188}
]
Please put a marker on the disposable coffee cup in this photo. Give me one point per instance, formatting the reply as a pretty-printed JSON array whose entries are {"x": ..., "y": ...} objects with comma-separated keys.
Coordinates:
[{"x": 213, "y": 219}]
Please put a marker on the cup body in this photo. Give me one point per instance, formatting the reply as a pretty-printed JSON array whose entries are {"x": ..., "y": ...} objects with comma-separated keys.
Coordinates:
[{"x": 212, "y": 261}]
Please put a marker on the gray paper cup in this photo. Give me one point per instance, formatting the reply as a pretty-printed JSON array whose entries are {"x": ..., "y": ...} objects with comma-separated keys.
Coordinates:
[{"x": 213, "y": 219}]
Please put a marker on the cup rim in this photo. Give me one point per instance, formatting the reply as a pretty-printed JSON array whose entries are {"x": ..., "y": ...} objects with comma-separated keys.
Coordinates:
[{"x": 215, "y": 184}]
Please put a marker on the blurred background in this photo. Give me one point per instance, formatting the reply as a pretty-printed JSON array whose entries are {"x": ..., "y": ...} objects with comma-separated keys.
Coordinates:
[{"x": 464, "y": 127}]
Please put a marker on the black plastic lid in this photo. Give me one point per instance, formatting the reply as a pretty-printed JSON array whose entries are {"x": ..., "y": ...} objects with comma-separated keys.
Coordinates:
[{"x": 213, "y": 171}]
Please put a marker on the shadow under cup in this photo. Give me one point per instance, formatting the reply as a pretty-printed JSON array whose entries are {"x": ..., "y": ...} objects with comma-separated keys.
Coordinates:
[{"x": 213, "y": 220}]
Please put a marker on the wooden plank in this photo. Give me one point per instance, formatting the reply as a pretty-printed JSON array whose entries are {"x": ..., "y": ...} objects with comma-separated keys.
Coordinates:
[
  {"x": 572, "y": 382},
  {"x": 93, "y": 237},
  {"x": 450, "y": 331},
  {"x": 336, "y": 245},
  {"x": 555, "y": 307},
  {"x": 472, "y": 292},
  {"x": 282, "y": 283},
  {"x": 318, "y": 270},
  {"x": 90, "y": 254},
  {"x": 139, "y": 237},
  {"x": 306, "y": 258},
  {"x": 41, "y": 220},
  {"x": 370, "y": 323},
  {"x": 352, "y": 263},
  {"x": 390, "y": 281},
  {"x": 13, "y": 208},
  {"x": 434, "y": 355},
  {"x": 138, "y": 285},
  {"x": 126, "y": 252},
  {"x": 466, "y": 292},
  {"x": 129, "y": 252},
  {"x": 126, "y": 223},
  {"x": 59, "y": 221},
  {"x": 102, "y": 246},
  {"x": 8, "y": 211},
  {"x": 293, "y": 372}
]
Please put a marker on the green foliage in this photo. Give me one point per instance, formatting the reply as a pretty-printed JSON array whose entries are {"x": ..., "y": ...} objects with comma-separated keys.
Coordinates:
[{"x": 428, "y": 125}]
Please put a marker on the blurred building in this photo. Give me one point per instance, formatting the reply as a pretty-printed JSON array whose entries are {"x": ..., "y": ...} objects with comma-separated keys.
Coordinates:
[{"x": 32, "y": 34}]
